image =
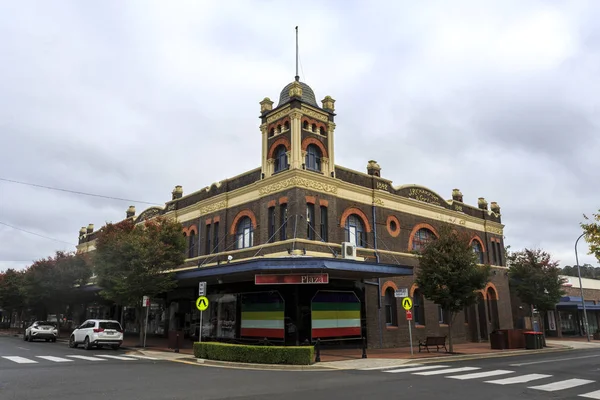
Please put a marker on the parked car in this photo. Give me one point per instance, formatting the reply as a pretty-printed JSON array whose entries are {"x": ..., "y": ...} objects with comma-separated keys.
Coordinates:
[
  {"x": 41, "y": 330},
  {"x": 97, "y": 333}
]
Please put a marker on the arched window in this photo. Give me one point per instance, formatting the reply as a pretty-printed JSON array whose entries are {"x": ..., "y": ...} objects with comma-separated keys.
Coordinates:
[
  {"x": 477, "y": 250},
  {"x": 421, "y": 238},
  {"x": 281, "y": 161},
  {"x": 313, "y": 158},
  {"x": 286, "y": 126},
  {"x": 391, "y": 314},
  {"x": 355, "y": 231},
  {"x": 418, "y": 307},
  {"x": 305, "y": 125},
  {"x": 272, "y": 132},
  {"x": 314, "y": 127},
  {"x": 244, "y": 234},
  {"x": 192, "y": 244},
  {"x": 322, "y": 131}
]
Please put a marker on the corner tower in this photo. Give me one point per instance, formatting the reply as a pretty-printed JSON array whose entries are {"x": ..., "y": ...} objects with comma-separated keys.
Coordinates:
[{"x": 297, "y": 133}]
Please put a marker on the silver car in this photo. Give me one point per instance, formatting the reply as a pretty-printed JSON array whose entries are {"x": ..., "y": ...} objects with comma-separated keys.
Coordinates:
[{"x": 41, "y": 330}]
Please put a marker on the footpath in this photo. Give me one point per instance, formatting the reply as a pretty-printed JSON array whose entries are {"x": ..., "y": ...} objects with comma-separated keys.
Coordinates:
[{"x": 342, "y": 359}]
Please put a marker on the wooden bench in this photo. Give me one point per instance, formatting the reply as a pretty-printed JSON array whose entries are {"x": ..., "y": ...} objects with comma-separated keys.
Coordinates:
[{"x": 437, "y": 341}]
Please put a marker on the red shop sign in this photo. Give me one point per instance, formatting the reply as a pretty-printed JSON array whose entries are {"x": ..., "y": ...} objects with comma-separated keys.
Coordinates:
[{"x": 291, "y": 279}]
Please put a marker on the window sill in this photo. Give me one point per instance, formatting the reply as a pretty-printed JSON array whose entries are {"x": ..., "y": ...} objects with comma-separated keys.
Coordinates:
[
  {"x": 391, "y": 327},
  {"x": 419, "y": 326},
  {"x": 443, "y": 325}
]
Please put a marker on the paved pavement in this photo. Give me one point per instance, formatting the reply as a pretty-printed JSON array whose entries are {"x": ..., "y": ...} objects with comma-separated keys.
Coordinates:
[{"x": 566, "y": 375}]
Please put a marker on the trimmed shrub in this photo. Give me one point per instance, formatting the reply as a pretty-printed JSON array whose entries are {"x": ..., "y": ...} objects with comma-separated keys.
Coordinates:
[{"x": 296, "y": 355}]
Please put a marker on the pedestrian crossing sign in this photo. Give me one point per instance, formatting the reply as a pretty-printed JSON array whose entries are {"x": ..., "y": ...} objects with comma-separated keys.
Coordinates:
[
  {"x": 202, "y": 303},
  {"x": 407, "y": 303}
]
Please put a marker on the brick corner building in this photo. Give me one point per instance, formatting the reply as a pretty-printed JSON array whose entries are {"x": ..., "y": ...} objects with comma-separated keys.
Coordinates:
[{"x": 301, "y": 248}]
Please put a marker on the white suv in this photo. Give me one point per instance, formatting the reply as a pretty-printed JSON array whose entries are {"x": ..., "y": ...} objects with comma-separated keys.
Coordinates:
[
  {"x": 41, "y": 330},
  {"x": 97, "y": 332}
]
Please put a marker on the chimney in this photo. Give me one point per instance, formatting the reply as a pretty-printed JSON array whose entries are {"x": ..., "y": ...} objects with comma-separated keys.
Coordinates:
[
  {"x": 177, "y": 192},
  {"x": 130, "y": 212},
  {"x": 81, "y": 234},
  {"x": 457, "y": 195},
  {"x": 328, "y": 104},
  {"x": 482, "y": 203},
  {"x": 90, "y": 228},
  {"x": 266, "y": 105},
  {"x": 373, "y": 168},
  {"x": 495, "y": 207}
]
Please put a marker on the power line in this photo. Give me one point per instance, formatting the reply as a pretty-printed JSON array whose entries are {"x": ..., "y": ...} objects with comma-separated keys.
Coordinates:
[
  {"x": 77, "y": 192},
  {"x": 36, "y": 234}
]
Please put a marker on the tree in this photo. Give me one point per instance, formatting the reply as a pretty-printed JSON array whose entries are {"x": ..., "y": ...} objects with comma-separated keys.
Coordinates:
[
  {"x": 592, "y": 234},
  {"x": 536, "y": 279},
  {"x": 11, "y": 294},
  {"x": 131, "y": 261},
  {"x": 449, "y": 274},
  {"x": 587, "y": 271},
  {"x": 51, "y": 283}
]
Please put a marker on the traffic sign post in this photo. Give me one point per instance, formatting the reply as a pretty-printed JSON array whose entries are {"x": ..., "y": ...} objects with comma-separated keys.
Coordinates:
[
  {"x": 146, "y": 303},
  {"x": 407, "y": 305},
  {"x": 402, "y": 292},
  {"x": 201, "y": 304},
  {"x": 202, "y": 289}
]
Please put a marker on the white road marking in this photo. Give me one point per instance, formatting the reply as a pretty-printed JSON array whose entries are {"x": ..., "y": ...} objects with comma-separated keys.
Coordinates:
[
  {"x": 116, "y": 357},
  {"x": 380, "y": 367},
  {"x": 87, "y": 358},
  {"x": 20, "y": 360},
  {"x": 394, "y": 371},
  {"x": 55, "y": 359},
  {"x": 591, "y": 395},
  {"x": 553, "y": 360},
  {"x": 143, "y": 357},
  {"x": 560, "y": 385},
  {"x": 447, "y": 371},
  {"x": 481, "y": 374},
  {"x": 22, "y": 348},
  {"x": 519, "y": 379}
]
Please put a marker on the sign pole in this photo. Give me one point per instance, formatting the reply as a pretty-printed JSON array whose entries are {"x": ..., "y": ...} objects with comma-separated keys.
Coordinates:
[
  {"x": 146, "y": 328},
  {"x": 410, "y": 337},
  {"x": 200, "y": 333}
]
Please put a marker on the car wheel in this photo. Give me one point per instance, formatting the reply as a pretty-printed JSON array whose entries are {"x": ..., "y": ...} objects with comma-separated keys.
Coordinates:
[
  {"x": 25, "y": 337},
  {"x": 53, "y": 340},
  {"x": 86, "y": 343},
  {"x": 47, "y": 340},
  {"x": 30, "y": 338},
  {"x": 72, "y": 343}
]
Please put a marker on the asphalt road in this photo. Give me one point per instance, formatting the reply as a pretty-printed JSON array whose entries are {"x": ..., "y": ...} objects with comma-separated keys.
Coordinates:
[{"x": 146, "y": 379}]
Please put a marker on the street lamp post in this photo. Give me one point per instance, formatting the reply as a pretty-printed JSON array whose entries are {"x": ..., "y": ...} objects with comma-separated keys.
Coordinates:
[{"x": 585, "y": 319}]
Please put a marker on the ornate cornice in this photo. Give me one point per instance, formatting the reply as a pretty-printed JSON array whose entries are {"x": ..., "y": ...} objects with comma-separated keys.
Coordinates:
[
  {"x": 278, "y": 115},
  {"x": 297, "y": 181},
  {"x": 314, "y": 114}
]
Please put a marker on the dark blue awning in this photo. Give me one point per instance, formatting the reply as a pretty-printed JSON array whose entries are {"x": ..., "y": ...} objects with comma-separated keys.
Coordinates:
[{"x": 343, "y": 269}]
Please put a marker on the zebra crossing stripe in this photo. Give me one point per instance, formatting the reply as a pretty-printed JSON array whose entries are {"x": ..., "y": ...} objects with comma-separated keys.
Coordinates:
[
  {"x": 117, "y": 357},
  {"x": 481, "y": 374},
  {"x": 20, "y": 360},
  {"x": 447, "y": 371},
  {"x": 519, "y": 379},
  {"x": 561, "y": 385},
  {"x": 88, "y": 358},
  {"x": 591, "y": 395},
  {"x": 383, "y": 367},
  {"x": 55, "y": 359},
  {"x": 143, "y": 357},
  {"x": 423, "y": 368}
]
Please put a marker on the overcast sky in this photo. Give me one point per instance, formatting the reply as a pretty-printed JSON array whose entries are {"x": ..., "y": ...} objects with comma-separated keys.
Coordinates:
[{"x": 130, "y": 98}]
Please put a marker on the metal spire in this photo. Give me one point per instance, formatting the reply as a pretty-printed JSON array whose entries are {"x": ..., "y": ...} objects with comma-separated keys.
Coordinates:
[{"x": 297, "y": 76}]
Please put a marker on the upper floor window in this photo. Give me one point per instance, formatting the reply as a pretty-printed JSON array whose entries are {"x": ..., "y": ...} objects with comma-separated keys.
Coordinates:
[
  {"x": 313, "y": 158},
  {"x": 271, "y": 223},
  {"x": 192, "y": 244},
  {"x": 355, "y": 231},
  {"x": 421, "y": 238},
  {"x": 281, "y": 160},
  {"x": 323, "y": 223},
  {"x": 310, "y": 221},
  {"x": 478, "y": 251},
  {"x": 244, "y": 234}
]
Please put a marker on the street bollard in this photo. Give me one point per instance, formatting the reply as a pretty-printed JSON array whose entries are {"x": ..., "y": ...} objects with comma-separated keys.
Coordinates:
[
  {"x": 176, "y": 344},
  {"x": 364, "y": 347},
  {"x": 318, "y": 351}
]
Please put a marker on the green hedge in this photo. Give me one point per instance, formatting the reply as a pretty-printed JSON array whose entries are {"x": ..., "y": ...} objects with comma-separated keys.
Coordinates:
[{"x": 296, "y": 355}]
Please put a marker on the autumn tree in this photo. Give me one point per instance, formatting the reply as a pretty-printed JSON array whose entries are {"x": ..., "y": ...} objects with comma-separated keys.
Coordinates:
[
  {"x": 51, "y": 283},
  {"x": 536, "y": 279},
  {"x": 131, "y": 261},
  {"x": 592, "y": 234},
  {"x": 11, "y": 294},
  {"x": 449, "y": 274}
]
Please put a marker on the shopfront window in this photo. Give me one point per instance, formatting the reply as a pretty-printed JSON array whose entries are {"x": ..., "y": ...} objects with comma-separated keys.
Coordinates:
[{"x": 219, "y": 320}]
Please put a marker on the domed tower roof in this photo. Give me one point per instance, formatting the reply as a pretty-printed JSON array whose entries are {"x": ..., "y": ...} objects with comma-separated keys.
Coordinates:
[{"x": 308, "y": 96}]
